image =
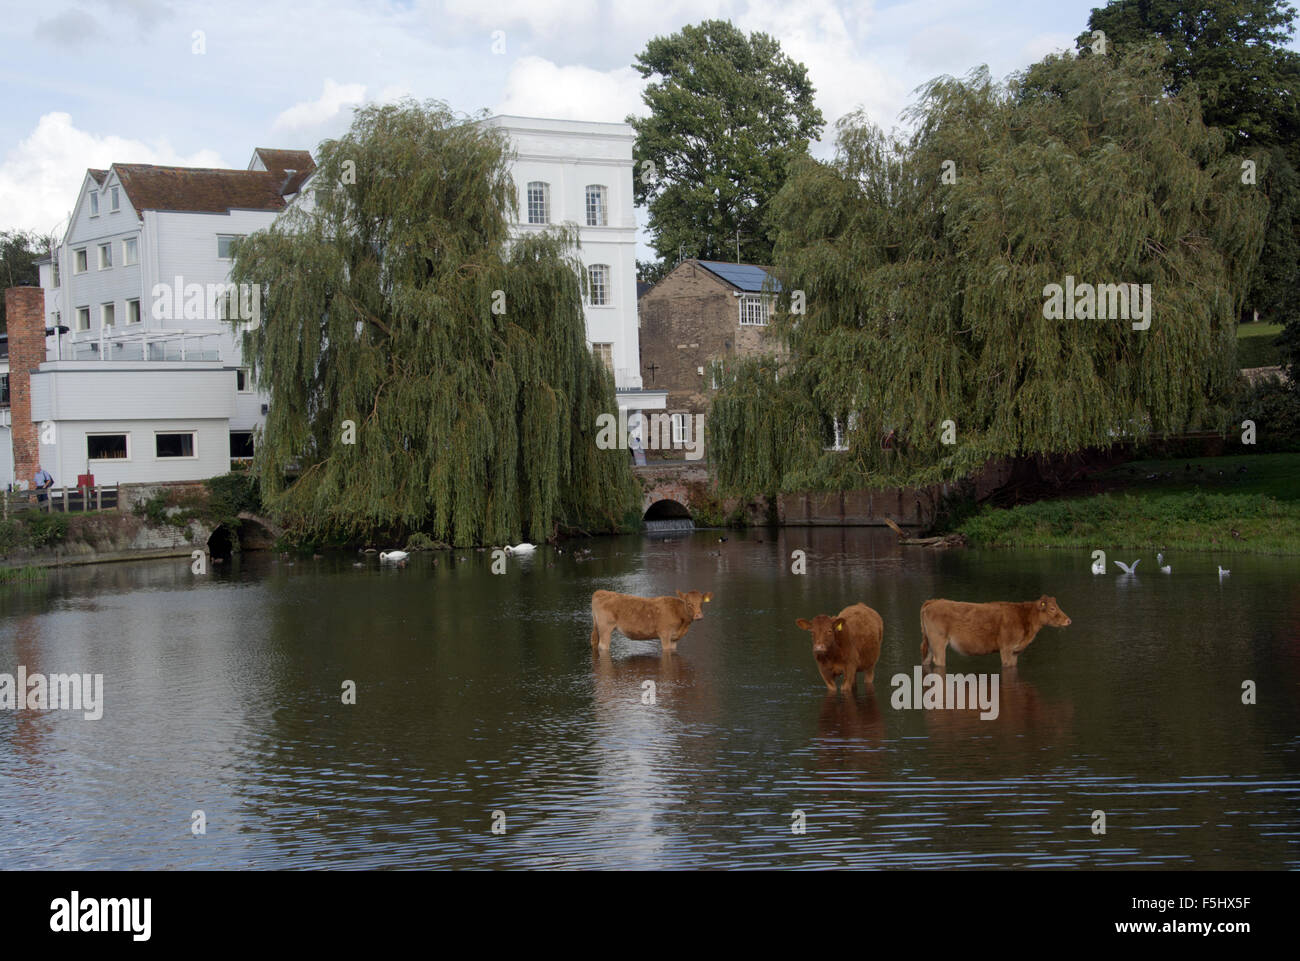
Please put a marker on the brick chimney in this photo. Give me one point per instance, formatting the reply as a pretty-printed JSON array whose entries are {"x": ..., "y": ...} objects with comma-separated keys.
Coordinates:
[{"x": 25, "y": 316}]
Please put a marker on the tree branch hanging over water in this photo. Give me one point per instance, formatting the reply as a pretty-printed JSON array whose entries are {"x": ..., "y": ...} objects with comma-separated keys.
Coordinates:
[
  {"x": 397, "y": 301},
  {"x": 925, "y": 265}
]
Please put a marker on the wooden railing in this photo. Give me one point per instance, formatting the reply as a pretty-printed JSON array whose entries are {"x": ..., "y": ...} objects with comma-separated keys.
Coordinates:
[{"x": 65, "y": 499}]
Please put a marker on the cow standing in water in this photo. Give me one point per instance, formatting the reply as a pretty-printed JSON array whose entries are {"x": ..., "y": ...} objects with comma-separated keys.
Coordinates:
[
  {"x": 846, "y": 644},
  {"x": 645, "y": 618},
  {"x": 1003, "y": 626}
]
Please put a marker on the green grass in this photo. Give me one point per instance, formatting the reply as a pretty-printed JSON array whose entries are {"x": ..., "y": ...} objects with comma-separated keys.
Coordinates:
[
  {"x": 1191, "y": 510},
  {"x": 9, "y": 575},
  {"x": 1255, "y": 347}
]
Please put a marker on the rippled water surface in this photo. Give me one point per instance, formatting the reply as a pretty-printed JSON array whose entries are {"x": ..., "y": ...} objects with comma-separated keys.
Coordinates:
[{"x": 479, "y": 693}]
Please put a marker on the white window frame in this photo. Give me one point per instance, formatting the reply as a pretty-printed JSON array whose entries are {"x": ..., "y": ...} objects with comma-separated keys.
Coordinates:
[
  {"x": 94, "y": 203},
  {"x": 681, "y": 429},
  {"x": 248, "y": 380},
  {"x": 231, "y": 237},
  {"x": 83, "y": 311},
  {"x": 138, "y": 316},
  {"x": 159, "y": 433},
  {"x": 115, "y": 200},
  {"x": 105, "y": 309},
  {"x": 81, "y": 256},
  {"x": 106, "y": 256},
  {"x": 108, "y": 433},
  {"x": 605, "y": 352},
  {"x": 130, "y": 252},
  {"x": 841, "y": 439},
  {"x": 752, "y": 305},
  {"x": 597, "y": 214},
  {"x": 604, "y": 287},
  {"x": 55, "y": 274},
  {"x": 545, "y": 201}
]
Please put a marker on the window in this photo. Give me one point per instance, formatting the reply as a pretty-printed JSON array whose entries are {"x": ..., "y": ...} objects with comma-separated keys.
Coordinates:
[
  {"x": 105, "y": 256},
  {"x": 243, "y": 383},
  {"x": 605, "y": 352},
  {"x": 130, "y": 252},
  {"x": 94, "y": 204},
  {"x": 680, "y": 433},
  {"x": 4, "y": 390},
  {"x": 113, "y": 203},
  {"x": 108, "y": 447},
  {"x": 133, "y": 311},
  {"x": 107, "y": 314},
  {"x": 539, "y": 202},
  {"x": 598, "y": 274},
  {"x": 753, "y": 310},
  {"x": 839, "y": 436},
  {"x": 79, "y": 261},
  {"x": 226, "y": 246},
  {"x": 83, "y": 318},
  {"x": 241, "y": 443},
  {"x": 597, "y": 213},
  {"x": 54, "y": 270},
  {"x": 174, "y": 445}
]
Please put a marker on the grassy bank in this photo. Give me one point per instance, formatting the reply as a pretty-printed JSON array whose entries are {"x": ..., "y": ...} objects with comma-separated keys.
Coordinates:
[
  {"x": 1168, "y": 504},
  {"x": 1256, "y": 345}
]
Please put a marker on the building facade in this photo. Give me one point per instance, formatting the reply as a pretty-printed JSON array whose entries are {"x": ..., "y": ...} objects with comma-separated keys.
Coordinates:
[{"x": 702, "y": 312}]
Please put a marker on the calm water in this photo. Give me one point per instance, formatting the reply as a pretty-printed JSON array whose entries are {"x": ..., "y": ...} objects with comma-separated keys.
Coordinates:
[{"x": 479, "y": 693}]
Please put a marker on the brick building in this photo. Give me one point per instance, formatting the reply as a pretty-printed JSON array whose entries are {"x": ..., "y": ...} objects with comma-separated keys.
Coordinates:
[{"x": 702, "y": 311}]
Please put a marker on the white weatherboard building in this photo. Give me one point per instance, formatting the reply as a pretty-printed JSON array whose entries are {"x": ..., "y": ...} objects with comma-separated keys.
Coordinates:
[{"x": 145, "y": 388}]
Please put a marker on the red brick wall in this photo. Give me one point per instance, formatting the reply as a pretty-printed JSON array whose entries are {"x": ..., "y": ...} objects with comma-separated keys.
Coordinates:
[{"x": 25, "y": 314}]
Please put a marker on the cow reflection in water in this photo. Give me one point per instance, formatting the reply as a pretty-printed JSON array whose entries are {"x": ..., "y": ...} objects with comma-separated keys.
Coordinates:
[
  {"x": 851, "y": 735},
  {"x": 1021, "y": 712}
]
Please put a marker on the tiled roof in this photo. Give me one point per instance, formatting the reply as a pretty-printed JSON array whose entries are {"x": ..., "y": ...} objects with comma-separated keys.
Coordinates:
[
  {"x": 99, "y": 175},
  {"x": 747, "y": 277},
  {"x": 210, "y": 190}
]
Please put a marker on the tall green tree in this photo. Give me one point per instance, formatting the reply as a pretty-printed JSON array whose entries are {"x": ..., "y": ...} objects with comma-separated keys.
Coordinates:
[
  {"x": 728, "y": 115},
  {"x": 926, "y": 266},
  {"x": 426, "y": 371},
  {"x": 1233, "y": 52},
  {"x": 19, "y": 252}
]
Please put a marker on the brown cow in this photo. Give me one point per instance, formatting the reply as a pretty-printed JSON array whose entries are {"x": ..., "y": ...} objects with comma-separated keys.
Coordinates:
[
  {"x": 846, "y": 644},
  {"x": 643, "y": 618},
  {"x": 1003, "y": 626}
]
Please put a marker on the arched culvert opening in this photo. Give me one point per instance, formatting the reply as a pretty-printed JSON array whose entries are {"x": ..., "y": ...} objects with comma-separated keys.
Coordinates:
[
  {"x": 222, "y": 544},
  {"x": 668, "y": 515}
]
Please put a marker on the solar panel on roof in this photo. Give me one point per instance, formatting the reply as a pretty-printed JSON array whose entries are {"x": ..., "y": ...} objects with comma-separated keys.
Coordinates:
[{"x": 745, "y": 276}]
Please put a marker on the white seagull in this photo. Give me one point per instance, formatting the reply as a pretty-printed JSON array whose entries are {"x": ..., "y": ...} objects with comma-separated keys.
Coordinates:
[
  {"x": 393, "y": 557},
  {"x": 1160, "y": 558},
  {"x": 1167, "y": 569},
  {"x": 1223, "y": 572},
  {"x": 1128, "y": 568}
]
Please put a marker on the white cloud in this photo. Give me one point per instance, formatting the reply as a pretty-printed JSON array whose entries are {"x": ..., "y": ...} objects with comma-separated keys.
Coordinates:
[
  {"x": 315, "y": 113},
  {"x": 40, "y": 176},
  {"x": 536, "y": 87}
]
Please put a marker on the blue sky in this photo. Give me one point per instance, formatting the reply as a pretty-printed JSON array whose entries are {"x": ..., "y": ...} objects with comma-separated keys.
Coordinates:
[{"x": 91, "y": 82}]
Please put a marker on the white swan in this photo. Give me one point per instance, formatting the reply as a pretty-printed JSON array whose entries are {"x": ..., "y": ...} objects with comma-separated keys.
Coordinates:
[
  {"x": 393, "y": 557},
  {"x": 1167, "y": 569},
  {"x": 524, "y": 548},
  {"x": 1128, "y": 568}
]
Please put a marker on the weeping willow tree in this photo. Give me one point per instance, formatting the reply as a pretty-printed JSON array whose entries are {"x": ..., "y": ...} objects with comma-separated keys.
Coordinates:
[
  {"x": 924, "y": 266},
  {"x": 425, "y": 370}
]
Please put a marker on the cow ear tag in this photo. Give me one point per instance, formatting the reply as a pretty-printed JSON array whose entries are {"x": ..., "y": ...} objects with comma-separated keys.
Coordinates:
[{"x": 839, "y": 627}]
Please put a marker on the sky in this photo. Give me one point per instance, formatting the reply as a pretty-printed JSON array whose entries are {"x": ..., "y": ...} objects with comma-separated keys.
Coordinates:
[{"x": 88, "y": 83}]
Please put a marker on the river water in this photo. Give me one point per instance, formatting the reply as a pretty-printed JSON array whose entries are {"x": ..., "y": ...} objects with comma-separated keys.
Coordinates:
[{"x": 485, "y": 734}]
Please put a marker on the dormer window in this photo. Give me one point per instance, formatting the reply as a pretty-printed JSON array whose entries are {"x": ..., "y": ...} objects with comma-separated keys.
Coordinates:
[
  {"x": 94, "y": 204},
  {"x": 539, "y": 202},
  {"x": 114, "y": 202}
]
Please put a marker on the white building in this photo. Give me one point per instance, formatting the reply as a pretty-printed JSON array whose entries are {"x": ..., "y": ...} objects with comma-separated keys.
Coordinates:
[
  {"x": 145, "y": 388},
  {"x": 146, "y": 383}
]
